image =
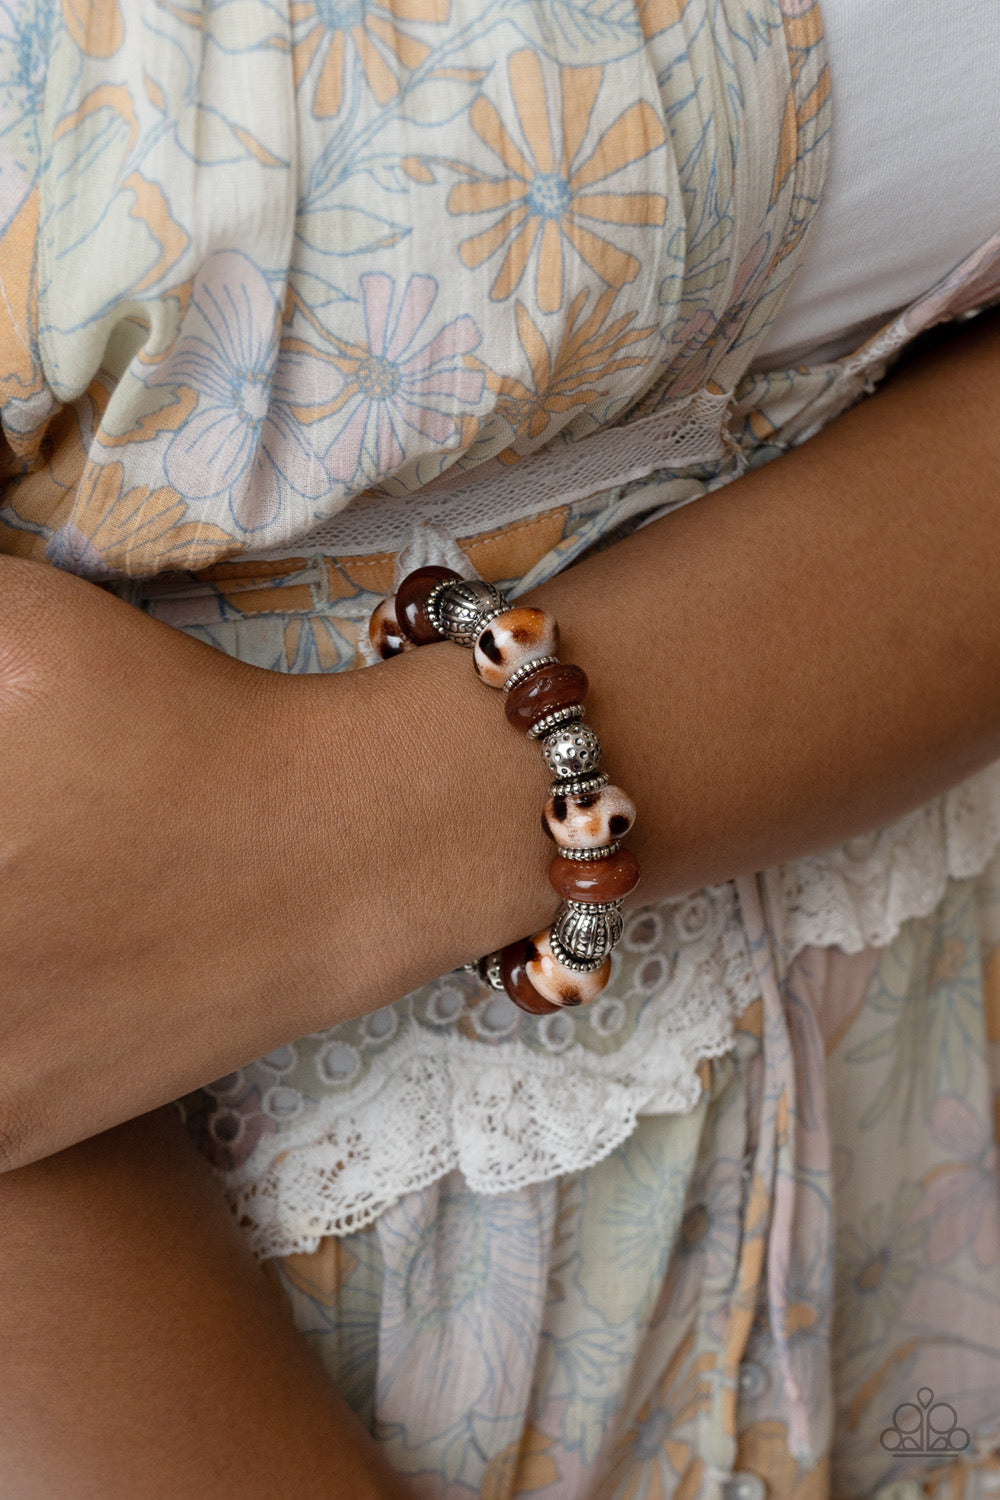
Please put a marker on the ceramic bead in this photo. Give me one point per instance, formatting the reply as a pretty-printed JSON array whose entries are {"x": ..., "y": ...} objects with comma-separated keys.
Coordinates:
[
  {"x": 595, "y": 879},
  {"x": 554, "y": 982},
  {"x": 384, "y": 632},
  {"x": 560, "y": 685},
  {"x": 590, "y": 820},
  {"x": 513, "y": 638},
  {"x": 516, "y": 982},
  {"x": 411, "y": 603}
]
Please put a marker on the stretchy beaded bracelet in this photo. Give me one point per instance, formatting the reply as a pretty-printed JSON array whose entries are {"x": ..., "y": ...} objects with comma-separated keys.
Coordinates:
[{"x": 514, "y": 648}]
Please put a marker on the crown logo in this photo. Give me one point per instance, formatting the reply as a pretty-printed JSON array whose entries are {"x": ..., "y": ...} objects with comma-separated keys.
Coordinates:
[{"x": 925, "y": 1428}]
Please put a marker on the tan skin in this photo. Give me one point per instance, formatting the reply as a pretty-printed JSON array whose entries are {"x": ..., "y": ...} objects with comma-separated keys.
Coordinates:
[{"x": 820, "y": 640}]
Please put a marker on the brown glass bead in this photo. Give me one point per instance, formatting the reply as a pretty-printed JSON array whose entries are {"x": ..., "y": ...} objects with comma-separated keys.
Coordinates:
[
  {"x": 513, "y": 961},
  {"x": 411, "y": 603},
  {"x": 559, "y": 685},
  {"x": 595, "y": 879}
]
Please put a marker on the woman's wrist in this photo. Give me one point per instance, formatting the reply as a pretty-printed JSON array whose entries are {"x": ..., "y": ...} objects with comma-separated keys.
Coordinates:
[
  {"x": 813, "y": 650},
  {"x": 203, "y": 860},
  {"x": 428, "y": 806},
  {"x": 801, "y": 657}
]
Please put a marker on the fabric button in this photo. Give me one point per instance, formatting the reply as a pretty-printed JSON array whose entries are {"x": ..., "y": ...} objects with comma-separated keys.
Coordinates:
[
  {"x": 745, "y": 1487},
  {"x": 753, "y": 1379}
]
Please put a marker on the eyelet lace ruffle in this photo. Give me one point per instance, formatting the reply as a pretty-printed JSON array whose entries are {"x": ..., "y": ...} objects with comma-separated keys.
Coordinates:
[
  {"x": 860, "y": 894},
  {"x": 450, "y": 1078}
]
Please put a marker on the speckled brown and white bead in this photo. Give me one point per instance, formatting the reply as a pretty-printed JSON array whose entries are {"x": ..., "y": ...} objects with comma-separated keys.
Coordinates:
[
  {"x": 557, "y": 984},
  {"x": 513, "y": 637},
  {"x": 384, "y": 631},
  {"x": 513, "y": 971},
  {"x": 589, "y": 820}
]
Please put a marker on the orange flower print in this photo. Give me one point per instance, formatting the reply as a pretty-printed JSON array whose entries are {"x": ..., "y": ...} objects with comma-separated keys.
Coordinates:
[
  {"x": 96, "y": 26},
  {"x": 377, "y": 31},
  {"x": 659, "y": 15},
  {"x": 112, "y": 531},
  {"x": 654, "y": 1458},
  {"x": 592, "y": 349},
  {"x": 557, "y": 191}
]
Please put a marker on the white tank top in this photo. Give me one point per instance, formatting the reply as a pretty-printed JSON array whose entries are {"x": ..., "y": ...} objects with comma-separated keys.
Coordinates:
[{"x": 913, "y": 183}]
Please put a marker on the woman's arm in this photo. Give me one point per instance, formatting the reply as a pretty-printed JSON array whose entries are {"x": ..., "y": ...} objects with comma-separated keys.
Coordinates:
[
  {"x": 815, "y": 649},
  {"x": 144, "y": 1354},
  {"x": 200, "y": 860}
]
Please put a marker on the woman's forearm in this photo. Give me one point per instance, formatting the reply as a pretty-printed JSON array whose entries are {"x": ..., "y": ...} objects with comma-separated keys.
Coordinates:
[
  {"x": 201, "y": 860},
  {"x": 143, "y": 1353},
  {"x": 815, "y": 649},
  {"x": 803, "y": 655}
]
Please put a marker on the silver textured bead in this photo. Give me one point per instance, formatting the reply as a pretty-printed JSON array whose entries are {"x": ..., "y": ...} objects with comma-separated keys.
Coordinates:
[
  {"x": 458, "y": 609},
  {"x": 588, "y": 930},
  {"x": 569, "y": 960},
  {"x": 554, "y": 719},
  {"x": 526, "y": 669},
  {"x": 603, "y": 851},
  {"x": 571, "y": 750}
]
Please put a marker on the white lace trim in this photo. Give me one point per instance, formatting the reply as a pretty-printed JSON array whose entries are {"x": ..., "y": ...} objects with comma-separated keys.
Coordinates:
[
  {"x": 512, "y": 1116},
  {"x": 861, "y": 893},
  {"x": 691, "y": 430}
]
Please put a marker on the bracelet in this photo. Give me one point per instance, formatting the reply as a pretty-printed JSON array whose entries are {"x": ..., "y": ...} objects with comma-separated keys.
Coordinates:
[{"x": 514, "y": 647}]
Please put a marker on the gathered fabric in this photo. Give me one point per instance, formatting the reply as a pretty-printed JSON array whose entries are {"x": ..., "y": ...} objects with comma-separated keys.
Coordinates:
[
  {"x": 298, "y": 296},
  {"x": 267, "y": 264}
]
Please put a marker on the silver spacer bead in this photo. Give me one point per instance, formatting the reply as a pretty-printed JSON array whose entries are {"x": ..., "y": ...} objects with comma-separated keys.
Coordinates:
[
  {"x": 578, "y": 786},
  {"x": 554, "y": 719},
  {"x": 488, "y": 616},
  {"x": 569, "y": 960},
  {"x": 571, "y": 750},
  {"x": 486, "y": 969},
  {"x": 588, "y": 930},
  {"x": 489, "y": 971},
  {"x": 457, "y": 607},
  {"x": 604, "y": 852},
  {"x": 526, "y": 669}
]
